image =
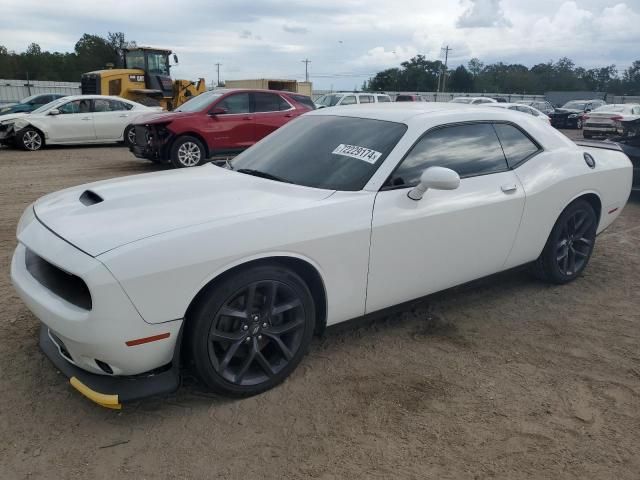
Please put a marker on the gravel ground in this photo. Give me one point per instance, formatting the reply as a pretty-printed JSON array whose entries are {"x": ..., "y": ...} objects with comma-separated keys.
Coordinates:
[{"x": 503, "y": 378}]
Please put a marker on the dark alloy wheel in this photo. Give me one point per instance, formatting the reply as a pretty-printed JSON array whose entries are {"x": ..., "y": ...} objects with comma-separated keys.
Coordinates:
[
  {"x": 252, "y": 331},
  {"x": 579, "y": 124},
  {"x": 570, "y": 244}
]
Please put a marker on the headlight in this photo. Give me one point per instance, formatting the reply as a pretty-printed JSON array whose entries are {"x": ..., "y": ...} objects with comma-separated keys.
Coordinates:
[
  {"x": 19, "y": 124},
  {"x": 27, "y": 217}
]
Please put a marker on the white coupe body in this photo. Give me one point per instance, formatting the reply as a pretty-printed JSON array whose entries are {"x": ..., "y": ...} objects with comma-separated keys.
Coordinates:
[
  {"x": 78, "y": 119},
  {"x": 146, "y": 245}
]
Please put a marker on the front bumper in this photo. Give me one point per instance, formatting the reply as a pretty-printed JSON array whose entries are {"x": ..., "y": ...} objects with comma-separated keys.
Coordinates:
[
  {"x": 101, "y": 334},
  {"x": 111, "y": 391},
  {"x": 150, "y": 144}
]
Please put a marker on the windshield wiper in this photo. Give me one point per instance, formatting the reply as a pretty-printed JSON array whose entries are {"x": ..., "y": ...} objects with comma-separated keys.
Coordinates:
[{"x": 258, "y": 173}]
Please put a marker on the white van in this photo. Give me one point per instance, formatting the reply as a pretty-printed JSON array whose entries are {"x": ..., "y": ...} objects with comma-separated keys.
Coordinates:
[{"x": 335, "y": 99}]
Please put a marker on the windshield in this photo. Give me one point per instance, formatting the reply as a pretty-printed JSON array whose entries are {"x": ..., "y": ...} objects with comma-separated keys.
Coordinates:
[
  {"x": 575, "y": 105},
  {"x": 462, "y": 100},
  {"x": 49, "y": 105},
  {"x": 26, "y": 100},
  {"x": 198, "y": 103},
  {"x": 329, "y": 100},
  {"x": 334, "y": 153}
]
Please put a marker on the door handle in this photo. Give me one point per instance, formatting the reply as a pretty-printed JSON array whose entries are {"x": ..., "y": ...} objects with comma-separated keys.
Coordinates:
[
  {"x": 248, "y": 118},
  {"x": 509, "y": 188},
  {"x": 124, "y": 115},
  {"x": 289, "y": 115},
  {"x": 86, "y": 118}
]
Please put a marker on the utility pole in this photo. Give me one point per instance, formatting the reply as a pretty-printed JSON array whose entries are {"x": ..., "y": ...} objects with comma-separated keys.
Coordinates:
[
  {"x": 218, "y": 69},
  {"x": 444, "y": 73},
  {"x": 306, "y": 62}
]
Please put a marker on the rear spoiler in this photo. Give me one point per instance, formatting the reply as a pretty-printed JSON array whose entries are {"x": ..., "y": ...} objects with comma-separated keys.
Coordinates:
[{"x": 598, "y": 144}]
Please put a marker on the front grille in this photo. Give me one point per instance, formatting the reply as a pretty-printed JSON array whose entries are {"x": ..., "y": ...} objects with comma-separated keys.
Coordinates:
[
  {"x": 65, "y": 285},
  {"x": 142, "y": 136},
  {"x": 90, "y": 84}
]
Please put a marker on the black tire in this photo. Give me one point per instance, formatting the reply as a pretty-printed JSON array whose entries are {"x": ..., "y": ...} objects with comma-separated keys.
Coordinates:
[
  {"x": 187, "y": 152},
  {"x": 129, "y": 136},
  {"x": 587, "y": 135},
  {"x": 229, "y": 341},
  {"x": 570, "y": 244},
  {"x": 31, "y": 139}
]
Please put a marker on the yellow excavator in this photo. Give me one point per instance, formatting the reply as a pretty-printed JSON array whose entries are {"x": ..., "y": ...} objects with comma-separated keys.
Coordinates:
[{"x": 145, "y": 79}]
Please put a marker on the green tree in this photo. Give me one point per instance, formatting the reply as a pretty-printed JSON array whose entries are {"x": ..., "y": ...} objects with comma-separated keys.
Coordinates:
[{"x": 461, "y": 80}]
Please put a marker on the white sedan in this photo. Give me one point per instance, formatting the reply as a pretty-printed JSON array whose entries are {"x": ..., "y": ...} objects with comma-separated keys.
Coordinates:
[
  {"x": 74, "y": 120},
  {"x": 338, "y": 214},
  {"x": 607, "y": 120},
  {"x": 534, "y": 112}
]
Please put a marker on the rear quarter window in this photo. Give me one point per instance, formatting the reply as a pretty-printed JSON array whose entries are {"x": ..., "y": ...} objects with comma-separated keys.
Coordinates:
[
  {"x": 517, "y": 146},
  {"x": 304, "y": 100}
]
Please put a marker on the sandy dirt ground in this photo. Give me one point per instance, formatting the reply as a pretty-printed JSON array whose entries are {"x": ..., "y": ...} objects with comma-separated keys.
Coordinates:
[{"x": 504, "y": 378}]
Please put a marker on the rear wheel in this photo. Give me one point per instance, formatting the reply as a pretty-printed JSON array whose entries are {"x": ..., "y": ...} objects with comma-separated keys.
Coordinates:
[
  {"x": 187, "y": 152},
  {"x": 570, "y": 244},
  {"x": 31, "y": 139},
  {"x": 251, "y": 331}
]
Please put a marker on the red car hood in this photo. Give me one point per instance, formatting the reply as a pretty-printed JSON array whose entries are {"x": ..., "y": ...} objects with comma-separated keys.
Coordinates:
[{"x": 162, "y": 117}]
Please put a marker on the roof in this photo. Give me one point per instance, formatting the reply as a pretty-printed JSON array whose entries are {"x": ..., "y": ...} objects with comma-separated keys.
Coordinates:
[{"x": 397, "y": 112}]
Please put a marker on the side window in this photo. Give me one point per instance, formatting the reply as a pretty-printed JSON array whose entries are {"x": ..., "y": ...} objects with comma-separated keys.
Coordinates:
[
  {"x": 77, "y": 106},
  {"x": 349, "y": 100},
  {"x": 117, "y": 106},
  {"x": 470, "y": 150},
  {"x": 366, "y": 99},
  {"x": 269, "y": 102},
  {"x": 100, "y": 105},
  {"x": 236, "y": 103},
  {"x": 516, "y": 145},
  {"x": 383, "y": 99}
]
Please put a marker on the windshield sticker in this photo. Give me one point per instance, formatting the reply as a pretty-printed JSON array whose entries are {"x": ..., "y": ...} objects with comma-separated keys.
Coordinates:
[{"x": 361, "y": 153}]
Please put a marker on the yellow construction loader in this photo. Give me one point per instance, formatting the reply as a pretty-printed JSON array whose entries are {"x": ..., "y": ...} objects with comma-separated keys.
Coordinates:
[{"x": 144, "y": 79}]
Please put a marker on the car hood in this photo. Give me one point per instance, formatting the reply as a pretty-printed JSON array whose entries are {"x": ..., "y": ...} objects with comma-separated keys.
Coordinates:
[
  {"x": 101, "y": 216},
  {"x": 565, "y": 111},
  {"x": 161, "y": 117},
  {"x": 12, "y": 116}
]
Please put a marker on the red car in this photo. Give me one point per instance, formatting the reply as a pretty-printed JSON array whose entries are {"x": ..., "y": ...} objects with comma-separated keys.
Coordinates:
[{"x": 213, "y": 123}]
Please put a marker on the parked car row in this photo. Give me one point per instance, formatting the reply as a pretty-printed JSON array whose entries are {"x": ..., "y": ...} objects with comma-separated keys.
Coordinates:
[{"x": 29, "y": 104}]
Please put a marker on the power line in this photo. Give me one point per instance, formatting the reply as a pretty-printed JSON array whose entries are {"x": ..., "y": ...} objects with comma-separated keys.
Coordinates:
[{"x": 306, "y": 62}]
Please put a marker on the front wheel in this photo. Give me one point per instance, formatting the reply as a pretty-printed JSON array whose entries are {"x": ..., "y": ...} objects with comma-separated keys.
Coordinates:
[
  {"x": 251, "y": 330},
  {"x": 129, "y": 136},
  {"x": 570, "y": 244},
  {"x": 31, "y": 139},
  {"x": 187, "y": 152}
]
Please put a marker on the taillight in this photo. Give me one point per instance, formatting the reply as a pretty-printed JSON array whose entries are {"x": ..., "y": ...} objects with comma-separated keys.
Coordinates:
[{"x": 586, "y": 117}]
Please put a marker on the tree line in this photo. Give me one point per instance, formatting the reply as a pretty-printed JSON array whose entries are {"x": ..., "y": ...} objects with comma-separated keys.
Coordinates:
[
  {"x": 422, "y": 75},
  {"x": 91, "y": 52}
]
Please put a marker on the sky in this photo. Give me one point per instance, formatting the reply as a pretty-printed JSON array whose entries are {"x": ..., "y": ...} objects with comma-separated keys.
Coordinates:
[{"x": 347, "y": 41}]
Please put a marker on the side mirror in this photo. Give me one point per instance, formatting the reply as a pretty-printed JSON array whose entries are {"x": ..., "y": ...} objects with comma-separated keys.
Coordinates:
[
  {"x": 54, "y": 111},
  {"x": 175, "y": 58},
  {"x": 217, "y": 111},
  {"x": 438, "y": 178}
]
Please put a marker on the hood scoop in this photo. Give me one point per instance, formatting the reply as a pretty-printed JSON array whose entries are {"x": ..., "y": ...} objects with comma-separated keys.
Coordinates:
[{"x": 90, "y": 197}]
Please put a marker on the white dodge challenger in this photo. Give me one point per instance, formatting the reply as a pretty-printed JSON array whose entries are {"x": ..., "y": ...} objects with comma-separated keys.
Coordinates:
[{"x": 340, "y": 213}]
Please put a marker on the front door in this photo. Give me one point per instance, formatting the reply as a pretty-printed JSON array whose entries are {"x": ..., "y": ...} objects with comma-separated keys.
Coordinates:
[
  {"x": 74, "y": 123},
  {"x": 448, "y": 237},
  {"x": 234, "y": 129}
]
